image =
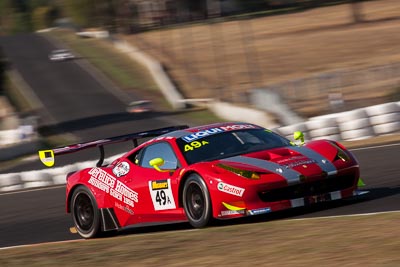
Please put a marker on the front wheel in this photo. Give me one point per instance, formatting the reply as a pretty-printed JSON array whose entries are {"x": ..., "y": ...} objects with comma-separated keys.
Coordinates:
[
  {"x": 85, "y": 213},
  {"x": 196, "y": 201}
]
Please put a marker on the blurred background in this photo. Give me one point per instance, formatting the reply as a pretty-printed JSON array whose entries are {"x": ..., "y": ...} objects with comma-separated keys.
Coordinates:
[
  {"x": 314, "y": 56},
  {"x": 73, "y": 71}
]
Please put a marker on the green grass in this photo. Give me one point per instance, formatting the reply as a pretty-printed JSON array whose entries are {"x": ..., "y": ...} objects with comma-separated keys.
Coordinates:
[{"x": 349, "y": 241}]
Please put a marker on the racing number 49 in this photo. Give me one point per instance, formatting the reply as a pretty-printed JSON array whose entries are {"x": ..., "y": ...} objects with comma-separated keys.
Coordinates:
[
  {"x": 161, "y": 198},
  {"x": 195, "y": 144}
]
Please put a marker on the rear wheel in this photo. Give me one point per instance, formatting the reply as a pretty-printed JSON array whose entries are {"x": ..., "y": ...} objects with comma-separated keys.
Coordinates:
[
  {"x": 196, "y": 201},
  {"x": 85, "y": 213}
]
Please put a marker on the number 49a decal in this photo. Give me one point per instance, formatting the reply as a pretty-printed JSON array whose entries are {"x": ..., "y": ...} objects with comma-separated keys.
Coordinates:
[
  {"x": 195, "y": 144},
  {"x": 161, "y": 194}
]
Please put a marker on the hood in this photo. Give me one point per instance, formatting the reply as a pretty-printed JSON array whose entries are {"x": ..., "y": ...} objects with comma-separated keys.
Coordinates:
[{"x": 292, "y": 163}]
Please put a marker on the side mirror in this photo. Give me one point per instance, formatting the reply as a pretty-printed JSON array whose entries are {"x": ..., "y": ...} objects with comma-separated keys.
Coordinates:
[
  {"x": 156, "y": 163},
  {"x": 299, "y": 135}
]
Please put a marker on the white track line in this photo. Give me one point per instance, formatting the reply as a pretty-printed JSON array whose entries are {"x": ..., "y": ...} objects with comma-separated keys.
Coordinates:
[
  {"x": 45, "y": 243},
  {"x": 374, "y": 147},
  {"x": 344, "y": 216},
  {"x": 32, "y": 190}
]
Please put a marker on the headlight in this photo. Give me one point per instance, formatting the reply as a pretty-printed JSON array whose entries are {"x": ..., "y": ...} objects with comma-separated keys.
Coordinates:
[
  {"x": 342, "y": 155},
  {"x": 244, "y": 173}
]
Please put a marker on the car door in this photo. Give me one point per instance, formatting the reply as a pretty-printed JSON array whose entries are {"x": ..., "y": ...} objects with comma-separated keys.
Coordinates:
[{"x": 157, "y": 190}]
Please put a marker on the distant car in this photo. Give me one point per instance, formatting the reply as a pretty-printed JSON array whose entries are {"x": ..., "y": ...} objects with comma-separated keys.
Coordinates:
[
  {"x": 140, "y": 106},
  {"x": 61, "y": 55},
  {"x": 216, "y": 171}
]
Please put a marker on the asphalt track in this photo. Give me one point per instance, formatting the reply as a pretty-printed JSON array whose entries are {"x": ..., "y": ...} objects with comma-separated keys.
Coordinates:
[
  {"x": 37, "y": 216},
  {"x": 78, "y": 103},
  {"x": 73, "y": 98}
]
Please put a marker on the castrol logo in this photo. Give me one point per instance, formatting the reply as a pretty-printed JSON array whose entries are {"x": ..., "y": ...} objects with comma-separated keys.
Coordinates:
[{"x": 230, "y": 189}]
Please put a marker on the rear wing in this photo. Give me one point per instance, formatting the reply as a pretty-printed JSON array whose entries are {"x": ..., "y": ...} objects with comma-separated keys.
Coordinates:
[{"x": 47, "y": 156}]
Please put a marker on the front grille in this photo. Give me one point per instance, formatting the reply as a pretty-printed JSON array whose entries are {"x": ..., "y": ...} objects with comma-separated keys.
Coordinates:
[{"x": 308, "y": 189}]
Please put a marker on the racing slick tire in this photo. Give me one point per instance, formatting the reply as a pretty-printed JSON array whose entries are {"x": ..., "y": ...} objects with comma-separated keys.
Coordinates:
[
  {"x": 85, "y": 214},
  {"x": 196, "y": 201}
]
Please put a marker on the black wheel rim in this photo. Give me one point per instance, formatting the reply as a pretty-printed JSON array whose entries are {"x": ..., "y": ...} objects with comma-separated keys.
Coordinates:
[
  {"x": 84, "y": 212},
  {"x": 195, "y": 201}
]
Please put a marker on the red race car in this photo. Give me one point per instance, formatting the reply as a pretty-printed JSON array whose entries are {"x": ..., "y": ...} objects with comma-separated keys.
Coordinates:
[{"x": 217, "y": 171}]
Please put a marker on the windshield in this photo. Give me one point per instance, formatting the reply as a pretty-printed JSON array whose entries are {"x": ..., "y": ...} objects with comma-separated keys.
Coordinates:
[{"x": 228, "y": 144}]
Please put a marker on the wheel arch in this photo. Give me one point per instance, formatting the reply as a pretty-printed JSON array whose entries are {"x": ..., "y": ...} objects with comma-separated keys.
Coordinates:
[
  {"x": 182, "y": 185},
  {"x": 108, "y": 219},
  {"x": 101, "y": 197},
  {"x": 69, "y": 196}
]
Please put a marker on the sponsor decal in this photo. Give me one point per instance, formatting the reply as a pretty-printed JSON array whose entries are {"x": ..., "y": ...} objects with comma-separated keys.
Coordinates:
[
  {"x": 317, "y": 199},
  {"x": 121, "y": 169},
  {"x": 161, "y": 194},
  {"x": 238, "y": 127},
  {"x": 110, "y": 185},
  {"x": 258, "y": 211},
  {"x": 161, "y": 184},
  {"x": 201, "y": 134},
  {"x": 99, "y": 185},
  {"x": 124, "y": 208},
  {"x": 230, "y": 189},
  {"x": 322, "y": 162},
  {"x": 298, "y": 163},
  {"x": 231, "y": 212},
  {"x": 101, "y": 179}
]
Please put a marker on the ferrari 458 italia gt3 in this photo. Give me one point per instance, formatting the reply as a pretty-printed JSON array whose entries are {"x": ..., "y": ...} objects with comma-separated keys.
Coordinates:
[{"x": 217, "y": 171}]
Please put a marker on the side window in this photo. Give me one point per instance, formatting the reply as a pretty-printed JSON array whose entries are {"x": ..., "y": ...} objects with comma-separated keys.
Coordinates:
[
  {"x": 159, "y": 150},
  {"x": 134, "y": 158}
]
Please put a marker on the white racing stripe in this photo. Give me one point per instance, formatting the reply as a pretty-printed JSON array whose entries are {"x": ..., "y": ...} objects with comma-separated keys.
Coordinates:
[
  {"x": 290, "y": 175},
  {"x": 322, "y": 162}
]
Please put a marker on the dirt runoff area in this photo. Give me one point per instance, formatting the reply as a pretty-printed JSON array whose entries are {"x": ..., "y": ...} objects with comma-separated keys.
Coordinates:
[
  {"x": 369, "y": 240},
  {"x": 227, "y": 59}
]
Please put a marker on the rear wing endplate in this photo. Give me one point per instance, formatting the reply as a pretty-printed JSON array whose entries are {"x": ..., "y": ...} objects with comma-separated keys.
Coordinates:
[{"x": 47, "y": 157}]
